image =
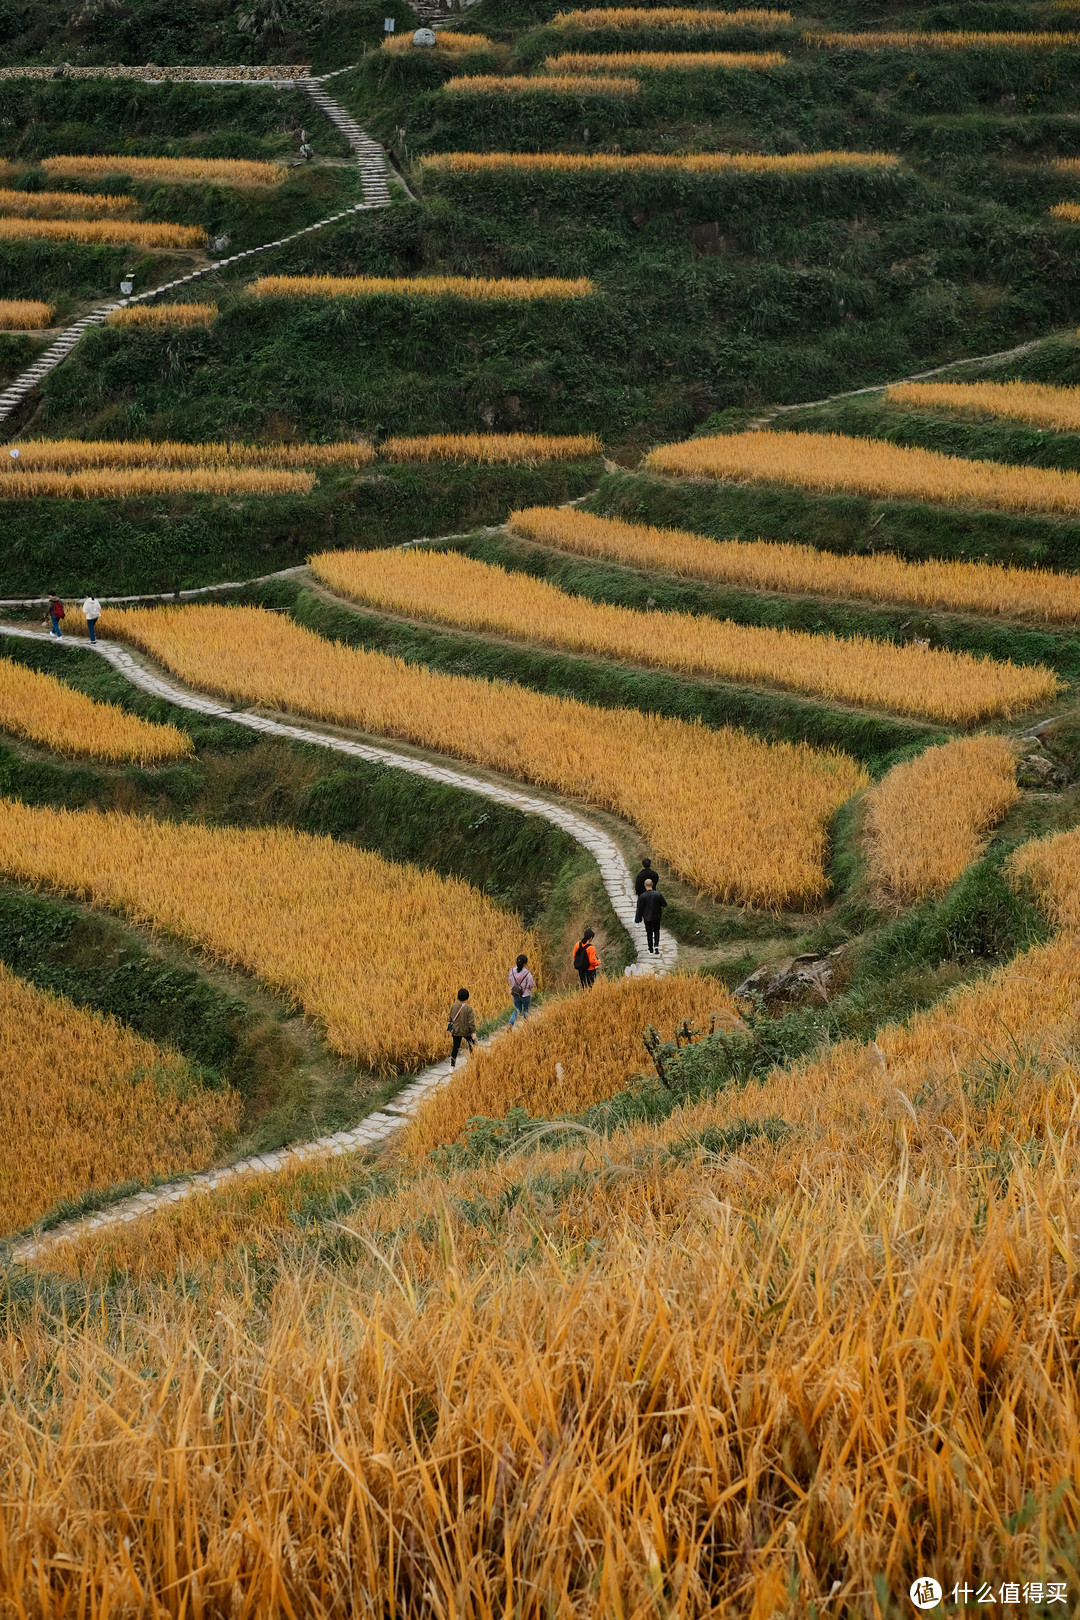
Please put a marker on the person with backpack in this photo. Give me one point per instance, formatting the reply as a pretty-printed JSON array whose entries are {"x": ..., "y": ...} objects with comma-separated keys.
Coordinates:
[
  {"x": 647, "y": 871},
  {"x": 461, "y": 1025},
  {"x": 586, "y": 960},
  {"x": 91, "y": 613},
  {"x": 522, "y": 985},
  {"x": 56, "y": 613},
  {"x": 650, "y": 904}
]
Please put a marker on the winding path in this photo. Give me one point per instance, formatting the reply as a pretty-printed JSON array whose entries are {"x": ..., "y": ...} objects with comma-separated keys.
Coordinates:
[
  {"x": 614, "y": 873},
  {"x": 373, "y": 177}
]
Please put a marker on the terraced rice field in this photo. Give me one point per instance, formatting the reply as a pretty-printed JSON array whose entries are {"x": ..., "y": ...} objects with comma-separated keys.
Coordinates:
[
  {"x": 774, "y": 565},
  {"x": 927, "y": 819},
  {"x": 334, "y": 927},
  {"x": 581, "y": 1051},
  {"x": 168, "y": 171},
  {"x": 742, "y": 819},
  {"x": 619, "y": 62},
  {"x": 46, "y": 711},
  {"x": 88, "y": 1105},
  {"x": 832, "y": 461},
  {"x": 82, "y": 455},
  {"x": 695, "y": 163},
  {"x": 953, "y": 687},
  {"x": 483, "y": 289}
]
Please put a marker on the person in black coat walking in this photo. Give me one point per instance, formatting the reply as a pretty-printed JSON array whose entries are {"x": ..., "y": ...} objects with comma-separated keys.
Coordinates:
[
  {"x": 650, "y": 904},
  {"x": 647, "y": 872}
]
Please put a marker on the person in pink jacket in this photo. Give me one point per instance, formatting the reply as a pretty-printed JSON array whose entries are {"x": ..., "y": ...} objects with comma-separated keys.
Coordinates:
[{"x": 522, "y": 985}]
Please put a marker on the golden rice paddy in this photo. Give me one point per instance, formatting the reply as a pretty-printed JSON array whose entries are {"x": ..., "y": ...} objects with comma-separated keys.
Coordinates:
[
  {"x": 742, "y": 819},
  {"x": 125, "y": 483},
  {"x": 637, "y": 17},
  {"x": 937, "y": 40},
  {"x": 112, "y": 232},
  {"x": 335, "y": 928},
  {"x": 826, "y": 462},
  {"x": 68, "y": 455},
  {"x": 1041, "y": 404},
  {"x": 484, "y": 289},
  {"x": 62, "y": 204},
  {"x": 88, "y": 1105},
  {"x": 768, "y": 565},
  {"x": 169, "y": 171},
  {"x": 661, "y": 62},
  {"x": 444, "y": 586},
  {"x": 24, "y": 314},
  {"x": 490, "y": 448},
  {"x": 581, "y": 84},
  {"x": 163, "y": 315},
  {"x": 926, "y": 820},
  {"x": 698, "y": 163},
  {"x": 44, "y": 710}
]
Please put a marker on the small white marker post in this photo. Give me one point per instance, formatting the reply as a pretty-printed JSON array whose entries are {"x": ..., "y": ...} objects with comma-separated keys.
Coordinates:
[{"x": 388, "y": 25}]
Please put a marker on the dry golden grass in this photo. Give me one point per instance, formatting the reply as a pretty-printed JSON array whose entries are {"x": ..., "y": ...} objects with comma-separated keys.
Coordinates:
[
  {"x": 512, "y": 289},
  {"x": 1051, "y": 865},
  {"x": 1039, "y": 403},
  {"x": 445, "y": 40},
  {"x": 124, "y": 483},
  {"x": 163, "y": 315},
  {"x": 88, "y": 1105},
  {"x": 77, "y": 455},
  {"x": 957, "y": 688},
  {"x": 898, "y": 39},
  {"x": 742, "y": 819},
  {"x": 111, "y": 231},
  {"x": 46, "y": 711},
  {"x": 1067, "y": 211},
  {"x": 374, "y": 950},
  {"x": 169, "y": 171},
  {"x": 487, "y": 84},
  {"x": 23, "y": 314},
  {"x": 652, "y": 162},
  {"x": 926, "y": 820},
  {"x": 492, "y": 447},
  {"x": 631, "y": 17},
  {"x": 62, "y": 204},
  {"x": 832, "y": 461},
  {"x": 815, "y": 1366},
  {"x": 766, "y": 565},
  {"x": 571, "y": 62},
  {"x": 575, "y": 1052}
]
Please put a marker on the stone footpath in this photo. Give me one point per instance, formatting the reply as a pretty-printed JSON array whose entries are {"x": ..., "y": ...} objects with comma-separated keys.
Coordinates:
[
  {"x": 373, "y": 175},
  {"x": 614, "y": 872}
]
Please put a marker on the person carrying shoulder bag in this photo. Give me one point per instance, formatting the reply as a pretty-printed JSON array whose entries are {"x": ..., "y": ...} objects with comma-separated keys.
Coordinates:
[{"x": 461, "y": 1025}]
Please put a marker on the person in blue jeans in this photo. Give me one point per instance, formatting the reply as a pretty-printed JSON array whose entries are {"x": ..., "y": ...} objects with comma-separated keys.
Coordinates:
[
  {"x": 56, "y": 613},
  {"x": 522, "y": 985}
]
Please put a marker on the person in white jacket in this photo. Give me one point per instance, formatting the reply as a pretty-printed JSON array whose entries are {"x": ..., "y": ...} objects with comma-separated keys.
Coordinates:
[{"x": 91, "y": 613}]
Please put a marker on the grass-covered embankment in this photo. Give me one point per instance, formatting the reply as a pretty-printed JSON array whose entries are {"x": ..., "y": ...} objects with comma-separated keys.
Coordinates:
[{"x": 122, "y": 547}]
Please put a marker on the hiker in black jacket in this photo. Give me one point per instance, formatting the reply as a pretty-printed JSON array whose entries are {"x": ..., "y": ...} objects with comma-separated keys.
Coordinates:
[
  {"x": 644, "y": 876},
  {"x": 650, "y": 904}
]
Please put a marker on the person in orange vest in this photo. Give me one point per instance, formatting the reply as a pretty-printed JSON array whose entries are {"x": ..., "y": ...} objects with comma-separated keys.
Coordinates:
[{"x": 586, "y": 960}]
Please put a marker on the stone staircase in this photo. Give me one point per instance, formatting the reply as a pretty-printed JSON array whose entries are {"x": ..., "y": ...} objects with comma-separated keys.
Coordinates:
[{"x": 369, "y": 154}]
